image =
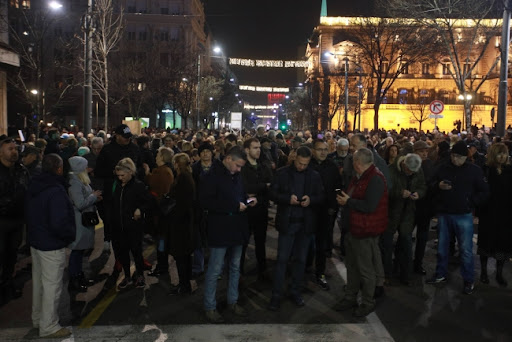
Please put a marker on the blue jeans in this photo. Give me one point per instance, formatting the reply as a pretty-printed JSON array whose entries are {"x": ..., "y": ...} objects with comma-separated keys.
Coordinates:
[
  {"x": 462, "y": 227},
  {"x": 215, "y": 265},
  {"x": 296, "y": 245}
]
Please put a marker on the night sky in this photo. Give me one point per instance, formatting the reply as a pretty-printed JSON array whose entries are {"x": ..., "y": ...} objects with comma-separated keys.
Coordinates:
[{"x": 271, "y": 29}]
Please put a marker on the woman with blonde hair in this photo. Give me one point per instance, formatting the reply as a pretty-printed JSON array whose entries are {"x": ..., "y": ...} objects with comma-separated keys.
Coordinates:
[
  {"x": 181, "y": 234},
  {"x": 160, "y": 181},
  {"x": 83, "y": 198},
  {"x": 494, "y": 231},
  {"x": 130, "y": 202}
]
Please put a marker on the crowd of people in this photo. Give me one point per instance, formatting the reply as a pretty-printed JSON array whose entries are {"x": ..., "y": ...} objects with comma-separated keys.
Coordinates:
[{"x": 218, "y": 187}]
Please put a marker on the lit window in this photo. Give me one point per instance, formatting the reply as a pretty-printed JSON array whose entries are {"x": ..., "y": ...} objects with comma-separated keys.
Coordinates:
[{"x": 425, "y": 68}]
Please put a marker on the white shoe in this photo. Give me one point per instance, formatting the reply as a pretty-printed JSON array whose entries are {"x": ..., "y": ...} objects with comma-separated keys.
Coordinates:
[{"x": 106, "y": 246}]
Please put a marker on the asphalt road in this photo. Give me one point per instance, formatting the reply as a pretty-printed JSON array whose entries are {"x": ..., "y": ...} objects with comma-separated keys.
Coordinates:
[{"x": 417, "y": 313}]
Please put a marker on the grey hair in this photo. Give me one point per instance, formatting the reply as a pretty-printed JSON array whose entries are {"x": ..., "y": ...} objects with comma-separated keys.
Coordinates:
[
  {"x": 51, "y": 163},
  {"x": 364, "y": 156},
  {"x": 413, "y": 162},
  {"x": 96, "y": 141},
  {"x": 342, "y": 142}
]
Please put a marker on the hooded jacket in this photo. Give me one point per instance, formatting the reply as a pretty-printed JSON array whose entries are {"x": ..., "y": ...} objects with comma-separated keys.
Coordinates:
[{"x": 49, "y": 213}]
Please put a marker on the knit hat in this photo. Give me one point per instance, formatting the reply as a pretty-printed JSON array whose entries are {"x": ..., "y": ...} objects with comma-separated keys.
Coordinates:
[
  {"x": 77, "y": 164},
  {"x": 420, "y": 145},
  {"x": 279, "y": 136},
  {"x": 82, "y": 151},
  {"x": 460, "y": 148}
]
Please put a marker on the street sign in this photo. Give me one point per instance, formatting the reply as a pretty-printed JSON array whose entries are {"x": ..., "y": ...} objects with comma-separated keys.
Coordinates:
[
  {"x": 436, "y": 107},
  {"x": 436, "y": 116}
]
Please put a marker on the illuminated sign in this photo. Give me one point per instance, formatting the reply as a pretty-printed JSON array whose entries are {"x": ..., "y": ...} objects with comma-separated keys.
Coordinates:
[
  {"x": 264, "y": 89},
  {"x": 264, "y": 63}
]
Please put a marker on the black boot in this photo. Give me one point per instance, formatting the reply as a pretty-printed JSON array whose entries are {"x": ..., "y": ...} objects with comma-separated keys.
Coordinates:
[
  {"x": 75, "y": 284},
  {"x": 84, "y": 281},
  {"x": 484, "y": 278},
  {"x": 162, "y": 266},
  {"x": 499, "y": 273}
]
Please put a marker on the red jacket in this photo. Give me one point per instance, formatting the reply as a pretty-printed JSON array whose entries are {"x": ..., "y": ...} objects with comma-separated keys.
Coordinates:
[{"x": 368, "y": 220}]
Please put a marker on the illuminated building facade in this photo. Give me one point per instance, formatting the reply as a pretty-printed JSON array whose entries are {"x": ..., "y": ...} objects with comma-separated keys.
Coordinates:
[{"x": 337, "y": 61}]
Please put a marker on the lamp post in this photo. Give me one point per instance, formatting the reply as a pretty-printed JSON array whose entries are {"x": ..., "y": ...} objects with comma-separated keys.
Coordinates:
[
  {"x": 88, "y": 29},
  {"x": 467, "y": 109},
  {"x": 346, "y": 95},
  {"x": 359, "y": 98},
  {"x": 503, "y": 88}
]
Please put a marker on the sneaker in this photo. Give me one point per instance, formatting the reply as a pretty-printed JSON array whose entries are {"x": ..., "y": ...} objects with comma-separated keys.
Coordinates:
[
  {"x": 237, "y": 310},
  {"x": 61, "y": 333},
  {"x": 179, "y": 290},
  {"x": 322, "y": 282},
  {"x": 275, "y": 304},
  {"x": 468, "y": 288},
  {"x": 140, "y": 282},
  {"x": 123, "y": 284},
  {"x": 158, "y": 271},
  {"x": 214, "y": 316},
  {"x": 297, "y": 299},
  {"x": 420, "y": 270},
  {"x": 436, "y": 280},
  {"x": 345, "y": 305},
  {"x": 364, "y": 310}
]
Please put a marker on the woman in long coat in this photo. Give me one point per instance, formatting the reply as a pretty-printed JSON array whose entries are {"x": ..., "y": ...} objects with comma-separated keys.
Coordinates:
[
  {"x": 83, "y": 198},
  {"x": 160, "y": 180},
  {"x": 494, "y": 230},
  {"x": 181, "y": 233}
]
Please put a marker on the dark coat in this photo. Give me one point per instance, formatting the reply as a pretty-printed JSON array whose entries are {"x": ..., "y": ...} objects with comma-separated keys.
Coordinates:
[
  {"x": 283, "y": 188},
  {"x": 468, "y": 188},
  {"x": 181, "y": 220},
  {"x": 255, "y": 181},
  {"x": 331, "y": 180},
  {"x": 402, "y": 210},
  {"x": 125, "y": 199},
  {"x": 107, "y": 160},
  {"x": 49, "y": 212},
  {"x": 13, "y": 185},
  {"x": 221, "y": 193},
  {"x": 494, "y": 229}
]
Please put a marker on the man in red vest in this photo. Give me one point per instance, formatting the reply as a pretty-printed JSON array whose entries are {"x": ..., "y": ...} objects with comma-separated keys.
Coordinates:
[{"x": 366, "y": 200}]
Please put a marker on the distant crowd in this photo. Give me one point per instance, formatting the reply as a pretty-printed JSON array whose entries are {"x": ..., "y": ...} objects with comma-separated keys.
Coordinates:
[{"x": 202, "y": 194}]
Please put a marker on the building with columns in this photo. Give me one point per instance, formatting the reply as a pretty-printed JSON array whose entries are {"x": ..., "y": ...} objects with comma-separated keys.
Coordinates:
[{"x": 336, "y": 62}]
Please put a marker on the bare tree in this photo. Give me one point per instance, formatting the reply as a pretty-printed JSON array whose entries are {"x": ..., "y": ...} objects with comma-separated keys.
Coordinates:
[
  {"x": 108, "y": 32},
  {"x": 386, "y": 48},
  {"x": 461, "y": 41},
  {"x": 300, "y": 110},
  {"x": 36, "y": 36},
  {"x": 420, "y": 112},
  {"x": 209, "y": 96}
]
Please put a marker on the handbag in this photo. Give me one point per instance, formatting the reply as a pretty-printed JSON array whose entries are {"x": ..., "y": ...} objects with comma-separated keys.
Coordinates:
[
  {"x": 90, "y": 218},
  {"x": 166, "y": 204}
]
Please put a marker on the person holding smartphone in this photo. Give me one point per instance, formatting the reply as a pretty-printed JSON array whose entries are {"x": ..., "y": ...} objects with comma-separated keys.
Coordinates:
[{"x": 459, "y": 187}]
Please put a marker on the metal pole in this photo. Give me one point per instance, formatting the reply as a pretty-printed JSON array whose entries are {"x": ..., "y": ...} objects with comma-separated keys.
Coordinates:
[
  {"x": 198, "y": 90},
  {"x": 346, "y": 94},
  {"x": 503, "y": 88},
  {"x": 87, "y": 69}
]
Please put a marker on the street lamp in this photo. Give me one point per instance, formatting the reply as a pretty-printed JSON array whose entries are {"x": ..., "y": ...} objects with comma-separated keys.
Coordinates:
[
  {"x": 345, "y": 60},
  {"x": 88, "y": 29},
  {"x": 55, "y": 5},
  {"x": 467, "y": 109}
]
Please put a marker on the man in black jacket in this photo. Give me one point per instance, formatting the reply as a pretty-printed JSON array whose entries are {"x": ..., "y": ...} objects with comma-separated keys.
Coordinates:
[
  {"x": 50, "y": 228},
  {"x": 222, "y": 194},
  {"x": 298, "y": 191},
  {"x": 459, "y": 187},
  {"x": 327, "y": 212},
  {"x": 14, "y": 179},
  {"x": 256, "y": 177}
]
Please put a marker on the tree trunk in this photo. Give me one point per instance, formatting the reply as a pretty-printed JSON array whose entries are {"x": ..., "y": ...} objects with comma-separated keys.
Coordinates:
[
  {"x": 106, "y": 96},
  {"x": 376, "y": 107}
]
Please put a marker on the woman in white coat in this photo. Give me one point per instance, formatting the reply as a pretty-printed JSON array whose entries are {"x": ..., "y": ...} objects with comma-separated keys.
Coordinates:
[{"x": 83, "y": 198}]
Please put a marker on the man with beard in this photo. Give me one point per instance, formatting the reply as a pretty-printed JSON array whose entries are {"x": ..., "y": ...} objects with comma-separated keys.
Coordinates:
[{"x": 256, "y": 177}]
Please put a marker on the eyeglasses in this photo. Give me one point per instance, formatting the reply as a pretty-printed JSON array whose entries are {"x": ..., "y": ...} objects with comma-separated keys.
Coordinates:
[{"x": 321, "y": 149}]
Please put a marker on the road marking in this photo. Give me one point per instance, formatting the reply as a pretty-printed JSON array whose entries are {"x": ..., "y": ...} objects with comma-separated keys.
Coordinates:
[{"x": 99, "y": 309}]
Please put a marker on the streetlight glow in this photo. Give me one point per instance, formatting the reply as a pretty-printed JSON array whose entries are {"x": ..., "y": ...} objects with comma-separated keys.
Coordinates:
[
  {"x": 34, "y": 91},
  {"x": 55, "y": 5},
  {"x": 217, "y": 49}
]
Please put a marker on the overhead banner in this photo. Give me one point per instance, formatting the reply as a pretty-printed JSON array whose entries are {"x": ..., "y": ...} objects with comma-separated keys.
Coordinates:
[
  {"x": 264, "y": 89},
  {"x": 264, "y": 63}
]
